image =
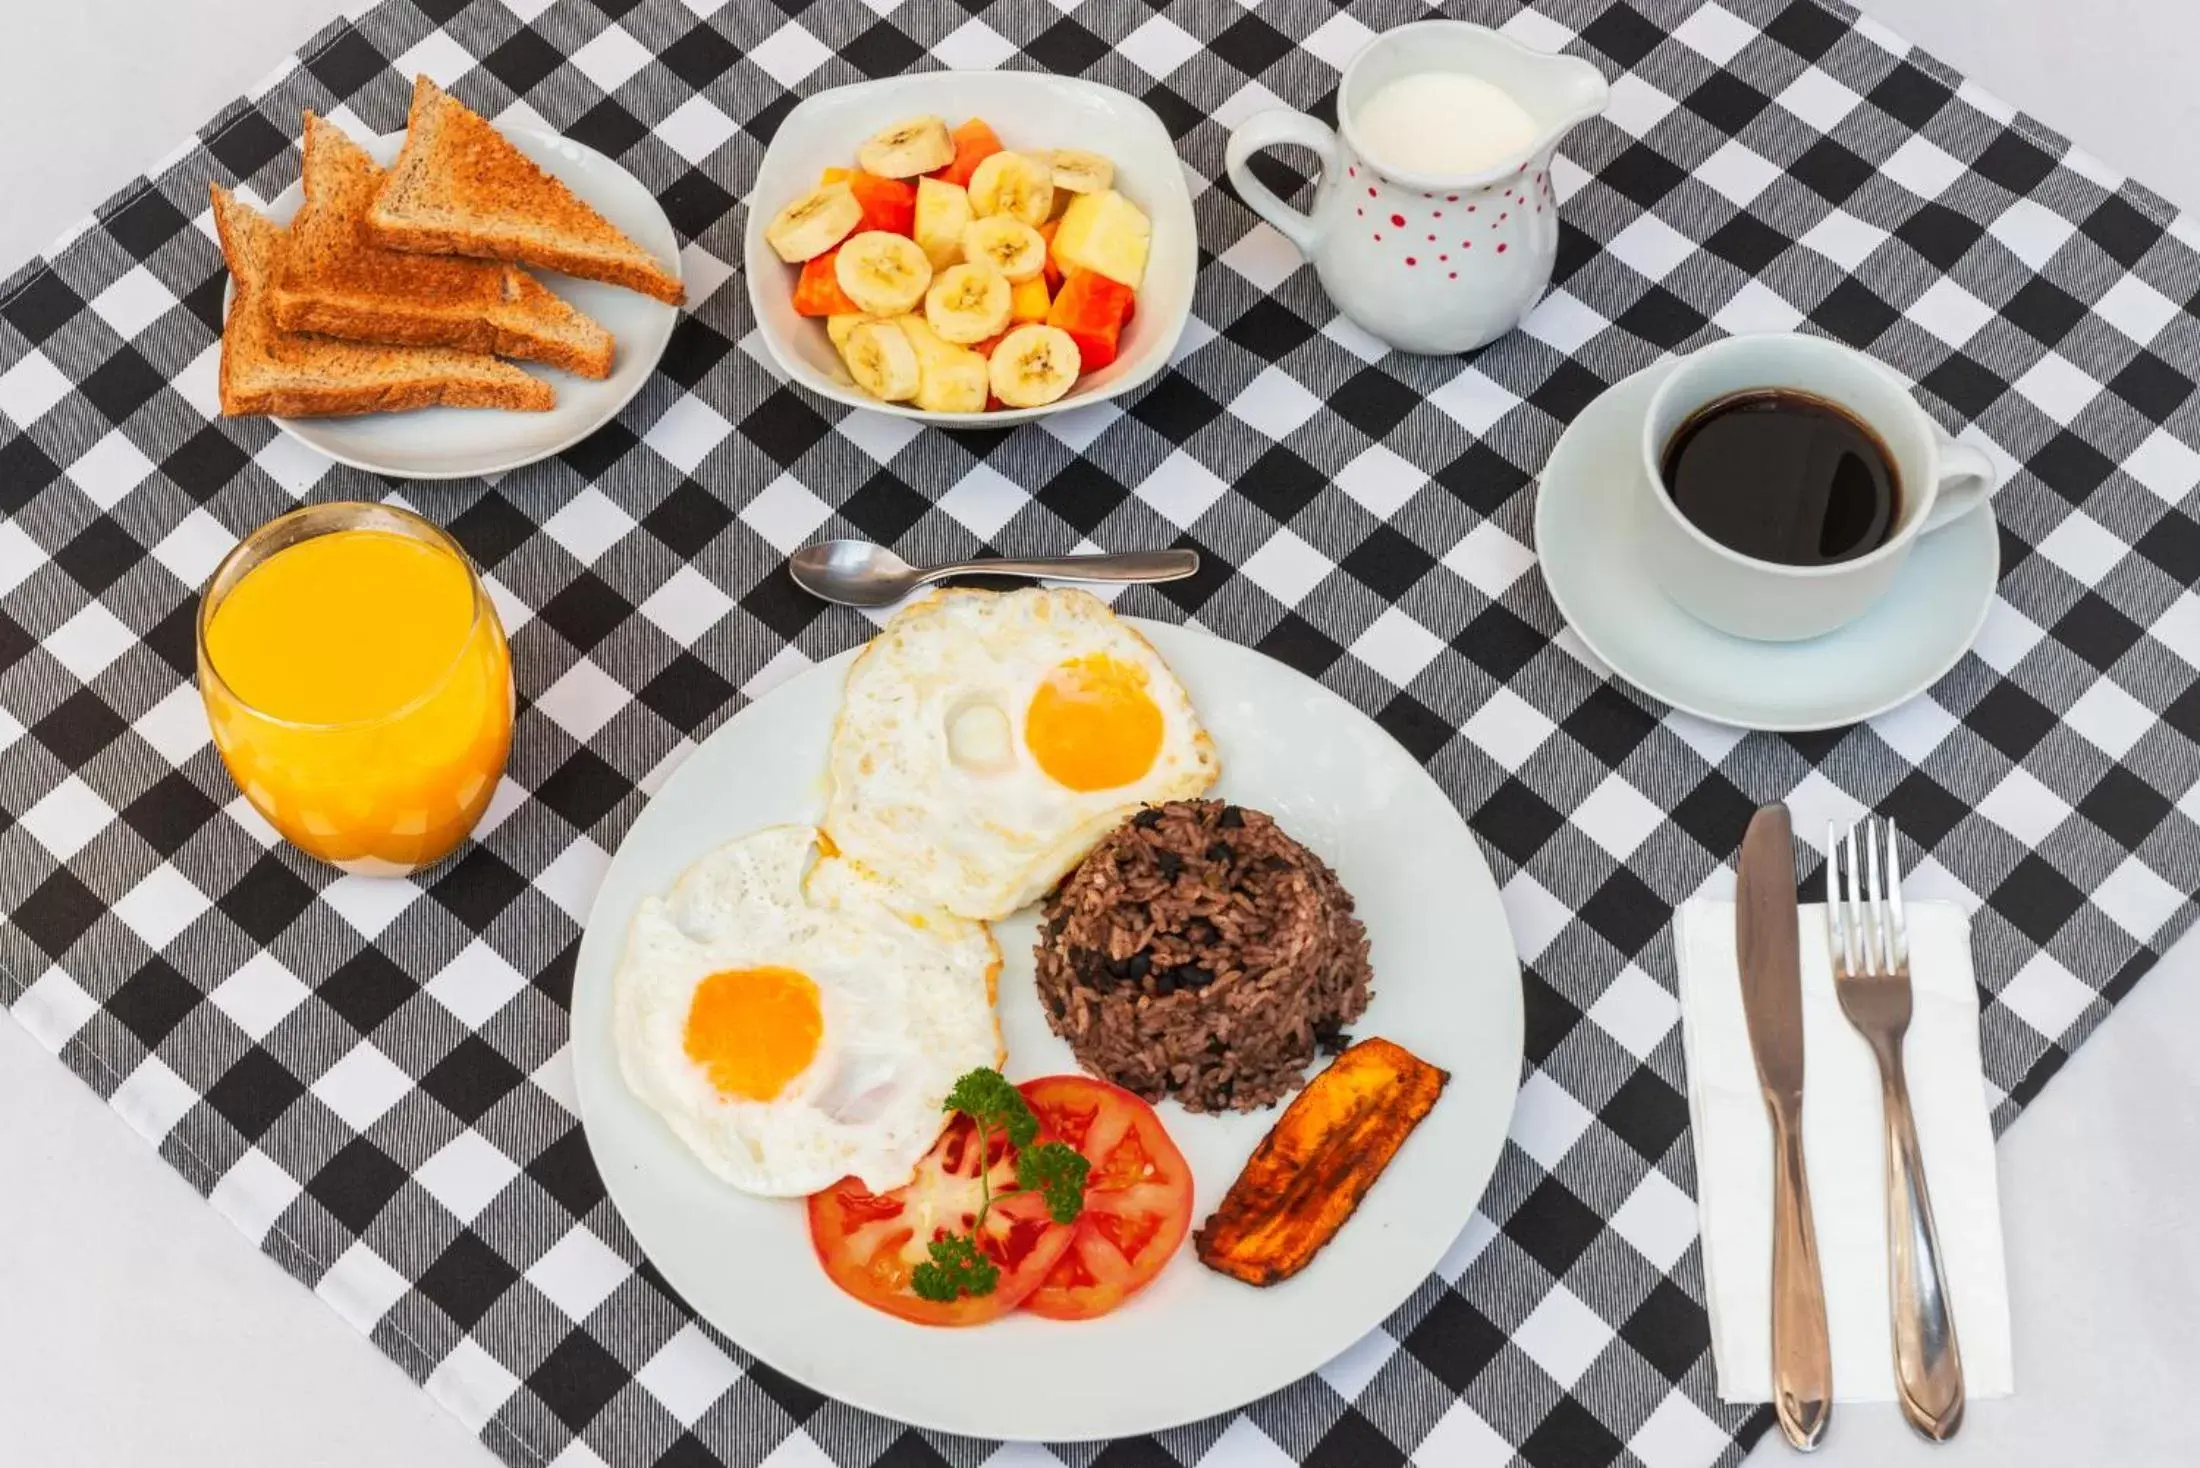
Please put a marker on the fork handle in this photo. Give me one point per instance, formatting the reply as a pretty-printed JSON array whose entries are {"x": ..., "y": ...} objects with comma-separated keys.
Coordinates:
[
  {"x": 1928, "y": 1367},
  {"x": 1802, "y": 1361}
]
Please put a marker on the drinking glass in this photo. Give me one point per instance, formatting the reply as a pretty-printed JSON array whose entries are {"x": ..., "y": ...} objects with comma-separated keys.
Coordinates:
[{"x": 387, "y": 794}]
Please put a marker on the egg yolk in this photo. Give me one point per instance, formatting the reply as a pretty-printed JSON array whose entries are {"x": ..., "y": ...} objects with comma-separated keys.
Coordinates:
[
  {"x": 1092, "y": 725},
  {"x": 754, "y": 1029}
]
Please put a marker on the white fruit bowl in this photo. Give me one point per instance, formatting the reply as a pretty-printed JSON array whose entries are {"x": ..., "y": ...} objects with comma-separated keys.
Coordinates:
[{"x": 1029, "y": 110}]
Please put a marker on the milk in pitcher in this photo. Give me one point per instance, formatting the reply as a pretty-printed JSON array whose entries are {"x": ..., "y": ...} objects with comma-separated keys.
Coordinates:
[{"x": 1443, "y": 122}]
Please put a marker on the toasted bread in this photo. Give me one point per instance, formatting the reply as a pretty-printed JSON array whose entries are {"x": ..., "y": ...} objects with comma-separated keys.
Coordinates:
[
  {"x": 460, "y": 188},
  {"x": 268, "y": 370},
  {"x": 336, "y": 281}
]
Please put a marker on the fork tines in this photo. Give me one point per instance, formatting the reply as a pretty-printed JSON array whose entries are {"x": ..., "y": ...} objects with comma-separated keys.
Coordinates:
[{"x": 1864, "y": 901}]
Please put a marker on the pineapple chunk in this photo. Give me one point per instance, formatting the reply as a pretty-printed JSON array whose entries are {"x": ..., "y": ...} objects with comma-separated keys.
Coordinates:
[
  {"x": 943, "y": 211},
  {"x": 950, "y": 379},
  {"x": 1028, "y": 301},
  {"x": 1106, "y": 234}
]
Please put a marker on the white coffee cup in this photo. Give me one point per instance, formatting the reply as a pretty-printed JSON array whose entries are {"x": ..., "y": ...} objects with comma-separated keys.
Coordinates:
[{"x": 1938, "y": 480}]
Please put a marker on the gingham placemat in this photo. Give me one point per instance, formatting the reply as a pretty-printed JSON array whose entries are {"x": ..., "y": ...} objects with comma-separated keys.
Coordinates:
[{"x": 370, "y": 1078}]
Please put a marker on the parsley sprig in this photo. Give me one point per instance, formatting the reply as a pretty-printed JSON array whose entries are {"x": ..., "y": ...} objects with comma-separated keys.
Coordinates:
[{"x": 1054, "y": 1170}]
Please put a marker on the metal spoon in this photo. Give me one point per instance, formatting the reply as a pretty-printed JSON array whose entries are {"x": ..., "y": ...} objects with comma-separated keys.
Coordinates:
[{"x": 856, "y": 573}]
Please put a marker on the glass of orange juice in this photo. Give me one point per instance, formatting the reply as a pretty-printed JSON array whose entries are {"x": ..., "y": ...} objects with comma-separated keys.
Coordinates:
[{"x": 358, "y": 684}]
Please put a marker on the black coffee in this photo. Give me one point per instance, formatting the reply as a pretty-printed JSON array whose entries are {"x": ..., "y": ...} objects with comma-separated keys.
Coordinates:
[{"x": 1783, "y": 476}]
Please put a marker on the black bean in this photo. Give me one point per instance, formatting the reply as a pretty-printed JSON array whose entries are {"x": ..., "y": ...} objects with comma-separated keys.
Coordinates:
[
  {"x": 1119, "y": 967},
  {"x": 1220, "y": 851},
  {"x": 1215, "y": 1045},
  {"x": 1192, "y": 976},
  {"x": 1164, "y": 983},
  {"x": 1136, "y": 965},
  {"x": 1147, "y": 819},
  {"x": 1170, "y": 864},
  {"x": 1231, "y": 818}
]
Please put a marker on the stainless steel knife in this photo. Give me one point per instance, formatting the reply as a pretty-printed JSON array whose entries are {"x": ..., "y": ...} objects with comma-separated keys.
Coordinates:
[{"x": 1772, "y": 999}]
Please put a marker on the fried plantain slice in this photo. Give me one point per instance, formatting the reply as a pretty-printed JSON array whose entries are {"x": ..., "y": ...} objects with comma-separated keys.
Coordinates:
[{"x": 1317, "y": 1162}]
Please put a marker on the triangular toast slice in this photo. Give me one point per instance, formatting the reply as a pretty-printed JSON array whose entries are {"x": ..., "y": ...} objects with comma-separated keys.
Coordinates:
[
  {"x": 268, "y": 370},
  {"x": 460, "y": 188},
  {"x": 337, "y": 281}
]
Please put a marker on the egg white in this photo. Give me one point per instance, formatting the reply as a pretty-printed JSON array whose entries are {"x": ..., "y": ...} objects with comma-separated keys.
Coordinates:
[
  {"x": 933, "y": 784},
  {"x": 906, "y": 997}
]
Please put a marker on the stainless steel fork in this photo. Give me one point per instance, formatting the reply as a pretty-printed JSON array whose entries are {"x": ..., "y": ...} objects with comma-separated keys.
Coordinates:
[{"x": 1871, "y": 971}]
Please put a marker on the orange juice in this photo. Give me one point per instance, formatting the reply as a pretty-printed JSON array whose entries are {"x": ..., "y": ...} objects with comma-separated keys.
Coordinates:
[{"x": 358, "y": 684}]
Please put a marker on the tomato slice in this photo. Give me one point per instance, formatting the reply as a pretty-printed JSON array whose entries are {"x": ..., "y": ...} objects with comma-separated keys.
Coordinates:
[
  {"x": 871, "y": 1243},
  {"x": 1138, "y": 1196}
]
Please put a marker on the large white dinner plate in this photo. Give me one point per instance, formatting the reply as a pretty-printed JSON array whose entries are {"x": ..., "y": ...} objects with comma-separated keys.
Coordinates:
[
  {"x": 1195, "y": 1343},
  {"x": 453, "y": 443}
]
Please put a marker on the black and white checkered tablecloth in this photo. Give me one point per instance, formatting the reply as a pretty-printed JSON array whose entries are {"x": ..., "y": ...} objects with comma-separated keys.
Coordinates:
[{"x": 371, "y": 1078}]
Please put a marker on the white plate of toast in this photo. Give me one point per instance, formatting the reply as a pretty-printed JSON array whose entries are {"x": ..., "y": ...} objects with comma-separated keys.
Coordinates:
[{"x": 450, "y": 301}]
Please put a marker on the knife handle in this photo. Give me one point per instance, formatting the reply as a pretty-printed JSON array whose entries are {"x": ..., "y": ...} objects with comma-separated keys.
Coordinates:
[{"x": 1802, "y": 1362}]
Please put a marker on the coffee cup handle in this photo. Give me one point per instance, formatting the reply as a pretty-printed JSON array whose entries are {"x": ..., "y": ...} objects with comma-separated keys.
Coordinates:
[
  {"x": 1272, "y": 129},
  {"x": 1967, "y": 477}
]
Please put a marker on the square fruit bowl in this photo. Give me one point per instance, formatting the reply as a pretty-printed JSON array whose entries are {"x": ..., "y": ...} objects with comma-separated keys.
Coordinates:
[{"x": 1032, "y": 113}]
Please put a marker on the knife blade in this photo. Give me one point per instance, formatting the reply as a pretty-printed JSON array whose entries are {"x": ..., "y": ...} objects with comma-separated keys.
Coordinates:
[
  {"x": 1771, "y": 954},
  {"x": 1772, "y": 1002}
]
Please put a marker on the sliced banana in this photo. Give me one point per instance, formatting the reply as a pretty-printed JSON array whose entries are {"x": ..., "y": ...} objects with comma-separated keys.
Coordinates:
[
  {"x": 1014, "y": 184},
  {"x": 883, "y": 273},
  {"x": 814, "y": 223},
  {"x": 912, "y": 146},
  {"x": 1010, "y": 246},
  {"x": 1033, "y": 366},
  {"x": 952, "y": 378},
  {"x": 838, "y": 327},
  {"x": 968, "y": 303},
  {"x": 1081, "y": 172},
  {"x": 943, "y": 212},
  {"x": 882, "y": 361}
]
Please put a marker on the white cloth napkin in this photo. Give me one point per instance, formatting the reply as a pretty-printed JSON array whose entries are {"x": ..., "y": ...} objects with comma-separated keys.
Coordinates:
[{"x": 1843, "y": 1154}]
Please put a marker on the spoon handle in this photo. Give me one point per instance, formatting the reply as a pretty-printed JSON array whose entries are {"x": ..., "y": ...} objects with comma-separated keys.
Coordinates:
[{"x": 1133, "y": 566}]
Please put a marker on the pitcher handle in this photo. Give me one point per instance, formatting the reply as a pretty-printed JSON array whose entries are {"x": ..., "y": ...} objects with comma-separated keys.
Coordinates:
[
  {"x": 1967, "y": 477},
  {"x": 1276, "y": 128}
]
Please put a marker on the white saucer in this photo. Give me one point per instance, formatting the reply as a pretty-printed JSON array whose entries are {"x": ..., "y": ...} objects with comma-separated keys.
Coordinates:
[
  {"x": 1584, "y": 526},
  {"x": 454, "y": 443}
]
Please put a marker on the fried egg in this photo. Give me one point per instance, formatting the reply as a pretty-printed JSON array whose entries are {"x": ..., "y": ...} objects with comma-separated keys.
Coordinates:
[
  {"x": 795, "y": 1022},
  {"x": 986, "y": 740}
]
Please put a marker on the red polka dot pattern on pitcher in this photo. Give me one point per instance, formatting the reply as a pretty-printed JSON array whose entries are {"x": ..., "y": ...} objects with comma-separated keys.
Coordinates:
[{"x": 1417, "y": 215}]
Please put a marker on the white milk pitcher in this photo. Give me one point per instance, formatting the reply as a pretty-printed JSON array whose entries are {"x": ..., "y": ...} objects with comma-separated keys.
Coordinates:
[{"x": 1429, "y": 262}]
